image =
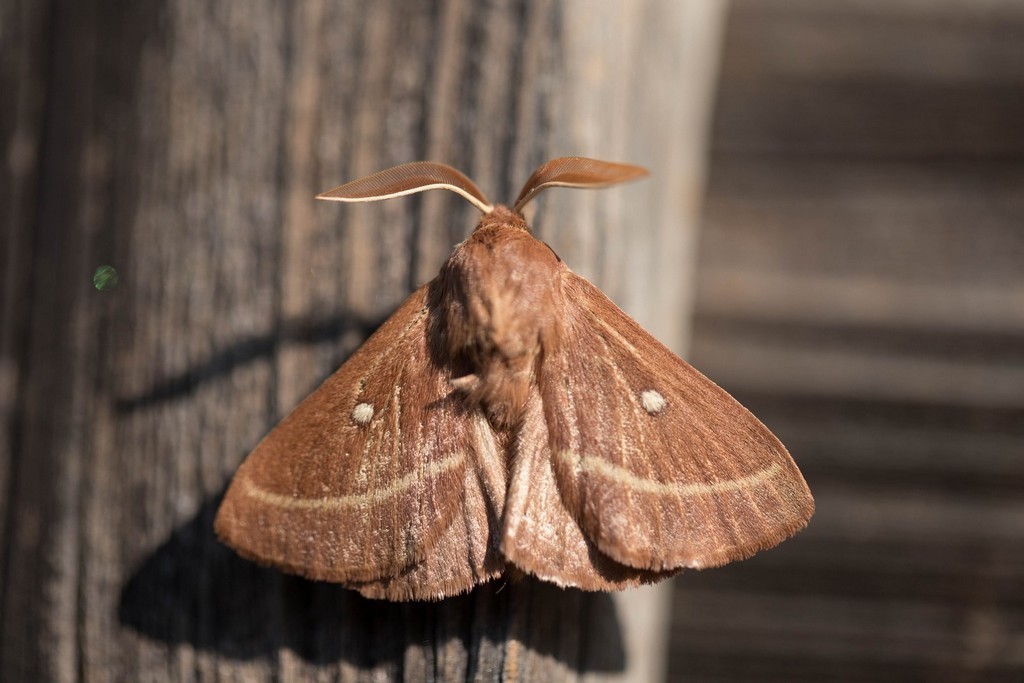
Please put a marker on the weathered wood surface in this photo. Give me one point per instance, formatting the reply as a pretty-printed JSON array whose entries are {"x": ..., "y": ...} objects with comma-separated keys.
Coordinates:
[
  {"x": 182, "y": 143},
  {"x": 861, "y": 288}
]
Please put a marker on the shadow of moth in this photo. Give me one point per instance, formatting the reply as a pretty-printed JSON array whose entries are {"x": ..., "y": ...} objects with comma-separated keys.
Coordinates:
[{"x": 508, "y": 416}]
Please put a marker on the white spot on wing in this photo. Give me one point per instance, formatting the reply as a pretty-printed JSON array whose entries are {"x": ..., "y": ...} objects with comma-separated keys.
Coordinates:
[
  {"x": 653, "y": 402},
  {"x": 362, "y": 413}
]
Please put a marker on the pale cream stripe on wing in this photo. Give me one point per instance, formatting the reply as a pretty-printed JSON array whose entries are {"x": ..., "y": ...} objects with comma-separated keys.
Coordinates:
[
  {"x": 354, "y": 499},
  {"x": 621, "y": 475}
]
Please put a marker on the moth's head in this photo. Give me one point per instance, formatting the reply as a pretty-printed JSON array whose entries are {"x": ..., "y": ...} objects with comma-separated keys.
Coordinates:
[
  {"x": 503, "y": 216},
  {"x": 428, "y": 175}
]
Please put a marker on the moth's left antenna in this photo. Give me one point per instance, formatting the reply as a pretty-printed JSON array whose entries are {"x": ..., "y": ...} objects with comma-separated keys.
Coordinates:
[{"x": 399, "y": 181}]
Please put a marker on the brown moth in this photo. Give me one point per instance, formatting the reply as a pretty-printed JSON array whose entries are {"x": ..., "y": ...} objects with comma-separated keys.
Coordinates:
[{"x": 508, "y": 416}]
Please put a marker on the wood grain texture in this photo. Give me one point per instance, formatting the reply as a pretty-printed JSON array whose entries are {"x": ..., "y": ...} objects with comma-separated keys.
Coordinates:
[
  {"x": 23, "y": 64},
  {"x": 182, "y": 143},
  {"x": 861, "y": 290}
]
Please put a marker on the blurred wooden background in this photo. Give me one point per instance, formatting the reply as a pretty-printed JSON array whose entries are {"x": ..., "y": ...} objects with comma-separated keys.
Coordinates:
[{"x": 861, "y": 289}]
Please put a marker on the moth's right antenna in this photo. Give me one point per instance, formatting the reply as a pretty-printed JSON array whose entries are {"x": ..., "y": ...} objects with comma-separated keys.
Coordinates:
[
  {"x": 399, "y": 181},
  {"x": 576, "y": 172}
]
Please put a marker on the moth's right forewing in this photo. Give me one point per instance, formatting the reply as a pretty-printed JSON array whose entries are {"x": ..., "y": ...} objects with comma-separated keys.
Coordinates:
[
  {"x": 364, "y": 476},
  {"x": 660, "y": 466}
]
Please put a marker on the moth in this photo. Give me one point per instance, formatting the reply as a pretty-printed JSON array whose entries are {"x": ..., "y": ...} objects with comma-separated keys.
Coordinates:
[{"x": 509, "y": 417}]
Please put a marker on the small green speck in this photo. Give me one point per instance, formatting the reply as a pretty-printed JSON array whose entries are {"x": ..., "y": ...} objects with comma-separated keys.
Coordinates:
[{"x": 105, "y": 278}]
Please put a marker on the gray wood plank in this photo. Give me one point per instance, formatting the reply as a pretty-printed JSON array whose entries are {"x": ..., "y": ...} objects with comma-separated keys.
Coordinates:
[
  {"x": 900, "y": 80},
  {"x": 182, "y": 143},
  {"x": 22, "y": 65},
  {"x": 860, "y": 289}
]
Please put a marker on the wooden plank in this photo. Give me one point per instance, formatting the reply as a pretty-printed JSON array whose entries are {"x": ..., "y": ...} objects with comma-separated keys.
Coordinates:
[
  {"x": 934, "y": 41},
  {"x": 22, "y": 66},
  {"x": 969, "y": 120},
  {"x": 830, "y": 369},
  {"x": 904, "y": 223},
  {"x": 879, "y": 577},
  {"x": 183, "y": 145},
  {"x": 904, "y": 454},
  {"x": 861, "y": 290},
  {"x": 897, "y": 308},
  {"x": 954, "y": 574},
  {"x": 863, "y": 79},
  {"x": 852, "y": 640}
]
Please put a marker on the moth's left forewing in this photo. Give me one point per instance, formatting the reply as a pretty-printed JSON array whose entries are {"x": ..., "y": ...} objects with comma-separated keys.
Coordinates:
[
  {"x": 365, "y": 476},
  {"x": 661, "y": 467}
]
